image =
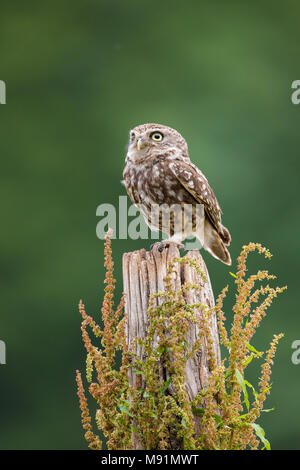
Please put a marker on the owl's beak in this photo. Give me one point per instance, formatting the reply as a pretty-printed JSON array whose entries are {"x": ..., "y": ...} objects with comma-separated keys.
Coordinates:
[{"x": 140, "y": 144}]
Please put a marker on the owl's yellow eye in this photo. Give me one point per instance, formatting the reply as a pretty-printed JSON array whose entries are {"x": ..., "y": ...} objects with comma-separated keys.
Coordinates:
[{"x": 157, "y": 136}]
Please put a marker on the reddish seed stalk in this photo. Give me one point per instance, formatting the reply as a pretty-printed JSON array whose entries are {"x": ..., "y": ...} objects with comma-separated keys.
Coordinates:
[{"x": 225, "y": 422}]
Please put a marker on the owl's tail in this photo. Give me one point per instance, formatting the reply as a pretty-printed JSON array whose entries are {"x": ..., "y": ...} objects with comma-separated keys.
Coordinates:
[
  {"x": 225, "y": 235},
  {"x": 215, "y": 245}
]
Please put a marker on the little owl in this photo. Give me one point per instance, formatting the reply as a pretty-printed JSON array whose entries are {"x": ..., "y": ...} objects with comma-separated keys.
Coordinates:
[{"x": 159, "y": 173}]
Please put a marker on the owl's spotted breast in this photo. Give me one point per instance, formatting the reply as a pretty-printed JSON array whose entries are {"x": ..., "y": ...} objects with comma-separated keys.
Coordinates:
[{"x": 155, "y": 184}]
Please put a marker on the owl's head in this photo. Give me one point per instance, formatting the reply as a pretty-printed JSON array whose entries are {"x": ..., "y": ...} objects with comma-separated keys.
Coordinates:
[{"x": 152, "y": 140}]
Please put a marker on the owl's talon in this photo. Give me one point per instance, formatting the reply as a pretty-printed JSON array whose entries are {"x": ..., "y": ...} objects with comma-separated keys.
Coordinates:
[
  {"x": 152, "y": 246},
  {"x": 161, "y": 247},
  {"x": 166, "y": 244}
]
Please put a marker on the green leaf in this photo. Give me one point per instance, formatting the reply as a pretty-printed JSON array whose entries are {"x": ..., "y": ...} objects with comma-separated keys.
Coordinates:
[
  {"x": 135, "y": 429},
  {"x": 166, "y": 384},
  {"x": 198, "y": 411},
  {"x": 268, "y": 411},
  {"x": 138, "y": 372},
  {"x": 233, "y": 275},
  {"x": 252, "y": 348},
  {"x": 252, "y": 388},
  {"x": 241, "y": 382},
  {"x": 125, "y": 410},
  {"x": 183, "y": 422},
  {"x": 147, "y": 395},
  {"x": 267, "y": 389},
  {"x": 261, "y": 435},
  {"x": 160, "y": 350},
  {"x": 218, "y": 420},
  {"x": 245, "y": 363}
]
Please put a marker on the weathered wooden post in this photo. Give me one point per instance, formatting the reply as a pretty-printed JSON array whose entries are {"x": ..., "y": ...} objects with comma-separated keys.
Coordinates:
[{"x": 143, "y": 275}]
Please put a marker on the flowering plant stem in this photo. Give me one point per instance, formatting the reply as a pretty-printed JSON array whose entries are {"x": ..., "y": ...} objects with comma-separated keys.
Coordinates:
[{"x": 135, "y": 405}]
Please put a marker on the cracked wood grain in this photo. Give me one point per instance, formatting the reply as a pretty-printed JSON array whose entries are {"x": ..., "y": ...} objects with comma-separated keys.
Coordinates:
[{"x": 143, "y": 275}]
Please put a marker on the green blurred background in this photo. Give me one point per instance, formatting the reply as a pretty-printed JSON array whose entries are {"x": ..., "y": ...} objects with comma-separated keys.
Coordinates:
[{"x": 79, "y": 75}]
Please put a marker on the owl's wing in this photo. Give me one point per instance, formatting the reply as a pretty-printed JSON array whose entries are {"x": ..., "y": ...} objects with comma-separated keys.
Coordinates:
[{"x": 193, "y": 180}]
